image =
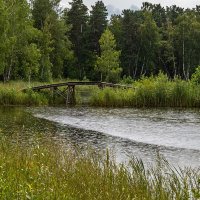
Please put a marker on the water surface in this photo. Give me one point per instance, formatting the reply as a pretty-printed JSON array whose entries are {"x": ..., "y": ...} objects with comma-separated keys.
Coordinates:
[
  {"x": 143, "y": 133},
  {"x": 134, "y": 132}
]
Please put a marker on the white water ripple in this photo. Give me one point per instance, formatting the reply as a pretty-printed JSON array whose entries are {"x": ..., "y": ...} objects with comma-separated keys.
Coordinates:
[{"x": 170, "y": 128}]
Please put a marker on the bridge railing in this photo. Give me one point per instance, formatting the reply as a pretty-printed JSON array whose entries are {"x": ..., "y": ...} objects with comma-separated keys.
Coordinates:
[{"x": 69, "y": 94}]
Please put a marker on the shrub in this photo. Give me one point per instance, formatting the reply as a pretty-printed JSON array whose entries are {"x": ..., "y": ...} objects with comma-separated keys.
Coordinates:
[{"x": 196, "y": 76}]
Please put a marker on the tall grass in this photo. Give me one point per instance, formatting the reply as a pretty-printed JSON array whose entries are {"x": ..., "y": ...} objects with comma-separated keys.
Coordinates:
[
  {"x": 45, "y": 170},
  {"x": 147, "y": 92},
  {"x": 12, "y": 94},
  {"x": 151, "y": 92},
  {"x": 14, "y": 97}
]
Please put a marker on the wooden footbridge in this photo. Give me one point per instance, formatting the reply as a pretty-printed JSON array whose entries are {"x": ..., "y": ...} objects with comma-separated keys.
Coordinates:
[{"x": 68, "y": 93}]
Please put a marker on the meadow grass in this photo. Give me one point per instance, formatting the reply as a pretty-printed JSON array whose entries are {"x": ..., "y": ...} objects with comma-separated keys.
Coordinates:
[{"x": 46, "y": 170}]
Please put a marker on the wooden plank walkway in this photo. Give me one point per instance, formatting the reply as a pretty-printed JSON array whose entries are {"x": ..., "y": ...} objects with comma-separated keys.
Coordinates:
[
  {"x": 69, "y": 93},
  {"x": 76, "y": 83}
]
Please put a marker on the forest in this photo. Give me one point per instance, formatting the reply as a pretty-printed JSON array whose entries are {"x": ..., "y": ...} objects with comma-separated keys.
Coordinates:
[
  {"x": 41, "y": 41},
  {"x": 138, "y": 140}
]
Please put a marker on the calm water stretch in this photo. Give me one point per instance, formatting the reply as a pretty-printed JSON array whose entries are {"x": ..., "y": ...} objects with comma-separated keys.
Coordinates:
[{"x": 175, "y": 134}]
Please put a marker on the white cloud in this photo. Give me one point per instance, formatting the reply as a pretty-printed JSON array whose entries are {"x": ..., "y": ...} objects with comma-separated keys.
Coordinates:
[{"x": 124, "y": 4}]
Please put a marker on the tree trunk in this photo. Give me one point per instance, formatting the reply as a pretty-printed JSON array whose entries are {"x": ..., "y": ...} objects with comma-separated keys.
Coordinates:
[
  {"x": 183, "y": 45},
  {"x": 174, "y": 64},
  {"x": 142, "y": 67},
  {"x": 136, "y": 63}
]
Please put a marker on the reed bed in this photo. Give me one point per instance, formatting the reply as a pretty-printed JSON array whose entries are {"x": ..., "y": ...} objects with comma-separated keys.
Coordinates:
[
  {"x": 46, "y": 170},
  {"x": 12, "y": 94},
  {"x": 15, "y": 97},
  {"x": 151, "y": 92},
  {"x": 156, "y": 91}
]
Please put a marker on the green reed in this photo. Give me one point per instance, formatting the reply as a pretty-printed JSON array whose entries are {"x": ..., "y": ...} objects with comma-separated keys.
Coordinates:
[
  {"x": 13, "y": 93},
  {"x": 156, "y": 91},
  {"x": 46, "y": 170},
  {"x": 150, "y": 92}
]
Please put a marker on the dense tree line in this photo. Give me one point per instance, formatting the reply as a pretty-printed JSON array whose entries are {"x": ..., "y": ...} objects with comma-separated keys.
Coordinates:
[{"x": 41, "y": 41}]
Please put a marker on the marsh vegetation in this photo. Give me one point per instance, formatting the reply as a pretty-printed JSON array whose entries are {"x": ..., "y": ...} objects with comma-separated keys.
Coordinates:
[{"x": 46, "y": 170}]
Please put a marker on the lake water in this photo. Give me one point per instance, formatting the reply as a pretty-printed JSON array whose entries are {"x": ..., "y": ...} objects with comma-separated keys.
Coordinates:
[{"x": 143, "y": 133}]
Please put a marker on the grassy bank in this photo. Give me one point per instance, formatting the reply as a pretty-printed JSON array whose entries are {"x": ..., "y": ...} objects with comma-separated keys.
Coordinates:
[
  {"x": 45, "y": 170},
  {"x": 148, "y": 92},
  {"x": 12, "y": 94},
  {"x": 151, "y": 92}
]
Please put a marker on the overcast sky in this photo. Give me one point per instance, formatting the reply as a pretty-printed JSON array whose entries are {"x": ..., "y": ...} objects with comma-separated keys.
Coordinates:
[{"x": 124, "y": 4}]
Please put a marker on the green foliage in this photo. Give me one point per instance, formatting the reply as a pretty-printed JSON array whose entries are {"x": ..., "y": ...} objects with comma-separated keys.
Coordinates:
[
  {"x": 46, "y": 49},
  {"x": 127, "y": 80},
  {"x": 155, "y": 91},
  {"x": 151, "y": 92},
  {"x": 13, "y": 94},
  {"x": 97, "y": 24},
  {"x": 187, "y": 36},
  {"x": 108, "y": 62},
  {"x": 77, "y": 16},
  {"x": 31, "y": 63},
  {"x": 14, "y": 97},
  {"x": 128, "y": 39},
  {"x": 17, "y": 36},
  {"x": 45, "y": 170},
  {"x": 61, "y": 47},
  {"x": 41, "y": 41},
  {"x": 150, "y": 38},
  {"x": 110, "y": 97},
  {"x": 196, "y": 76},
  {"x": 54, "y": 43}
]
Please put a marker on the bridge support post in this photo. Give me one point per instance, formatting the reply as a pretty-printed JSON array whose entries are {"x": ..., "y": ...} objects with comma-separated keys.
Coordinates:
[
  {"x": 53, "y": 92},
  {"x": 71, "y": 99}
]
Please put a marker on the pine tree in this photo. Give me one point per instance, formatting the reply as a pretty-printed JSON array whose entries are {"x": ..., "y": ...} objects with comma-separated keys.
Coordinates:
[
  {"x": 98, "y": 23},
  {"x": 78, "y": 18}
]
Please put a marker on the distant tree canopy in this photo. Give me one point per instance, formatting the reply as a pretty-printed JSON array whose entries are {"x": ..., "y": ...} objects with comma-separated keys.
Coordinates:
[{"x": 41, "y": 41}]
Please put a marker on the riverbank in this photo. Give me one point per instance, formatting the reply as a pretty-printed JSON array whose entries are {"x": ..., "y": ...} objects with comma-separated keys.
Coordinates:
[
  {"x": 151, "y": 92},
  {"x": 45, "y": 170},
  {"x": 148, "y": 92},
  {"x": 12, "y": 94}
]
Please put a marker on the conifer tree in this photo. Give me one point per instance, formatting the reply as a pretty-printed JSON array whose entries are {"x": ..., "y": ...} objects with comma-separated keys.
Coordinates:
[
  {"x": 78, "y": 18},
  {"x": 98, "y": 23}
]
